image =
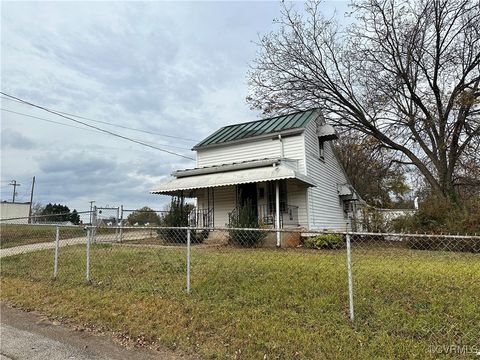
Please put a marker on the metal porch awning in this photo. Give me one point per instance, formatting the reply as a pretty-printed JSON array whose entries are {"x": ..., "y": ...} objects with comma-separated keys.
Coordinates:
[{"x": 269, "y": 173}]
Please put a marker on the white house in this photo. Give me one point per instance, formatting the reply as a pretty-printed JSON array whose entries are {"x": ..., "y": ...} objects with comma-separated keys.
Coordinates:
[{"x": 285, "y": 167}]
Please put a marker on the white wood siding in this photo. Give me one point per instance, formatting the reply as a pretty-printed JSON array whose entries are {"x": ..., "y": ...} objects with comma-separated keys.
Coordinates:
[
  {"x": 293, "y": 148},
  {"x": 224, "y": 202},
  {"x": 297, "y": 196},
  {"x": 325, "y": 210},
  {"x": 260, "y": 149}
]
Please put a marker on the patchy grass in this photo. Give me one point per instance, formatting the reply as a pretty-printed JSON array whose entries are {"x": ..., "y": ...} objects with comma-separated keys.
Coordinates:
[
  {"x": 151, "y": 240},
  {"x": 22, "y": 234},
  {"x": 251, "y": 303}
]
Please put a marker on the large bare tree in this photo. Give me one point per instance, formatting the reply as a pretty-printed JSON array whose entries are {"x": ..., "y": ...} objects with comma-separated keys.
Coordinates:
[{"x": 403, "y": 72}]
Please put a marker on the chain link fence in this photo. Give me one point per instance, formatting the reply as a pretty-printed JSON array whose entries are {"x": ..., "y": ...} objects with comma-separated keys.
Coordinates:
[{"x": 374, "y": 294}]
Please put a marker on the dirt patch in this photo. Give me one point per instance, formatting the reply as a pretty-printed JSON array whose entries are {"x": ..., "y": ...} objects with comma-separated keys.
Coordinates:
[{"x": 84, "y": 342}]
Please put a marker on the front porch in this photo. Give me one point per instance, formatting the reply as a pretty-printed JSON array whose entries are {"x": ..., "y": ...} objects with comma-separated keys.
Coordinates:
[
  {"x": 272, "y": 189},
  {"x": 259, "y": 198}
]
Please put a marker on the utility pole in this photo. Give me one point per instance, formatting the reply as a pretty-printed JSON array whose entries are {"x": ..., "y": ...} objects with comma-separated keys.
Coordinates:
[
  {"x": 31, "y": 201},
  {"x": 14, "y": 183}
]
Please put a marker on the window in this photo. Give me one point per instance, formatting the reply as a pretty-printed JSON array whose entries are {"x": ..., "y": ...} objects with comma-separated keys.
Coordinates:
[{"x": 321, "y": 150}]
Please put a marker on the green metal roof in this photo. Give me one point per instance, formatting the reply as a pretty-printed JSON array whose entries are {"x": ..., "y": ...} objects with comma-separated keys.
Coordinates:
[{"x": 275, "y": 124}]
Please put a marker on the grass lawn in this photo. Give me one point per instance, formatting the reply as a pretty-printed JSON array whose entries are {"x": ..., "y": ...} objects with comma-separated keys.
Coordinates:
[{"x": 259, "y": 303}]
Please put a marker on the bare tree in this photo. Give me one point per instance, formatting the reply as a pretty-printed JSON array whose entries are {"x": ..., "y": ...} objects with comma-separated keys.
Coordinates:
[
  {"x": 405, "y": 73},
  {"x": 37, "y": 208},
  {"x": 379, "y": 181},
  {"x": 467, "y": 175}
]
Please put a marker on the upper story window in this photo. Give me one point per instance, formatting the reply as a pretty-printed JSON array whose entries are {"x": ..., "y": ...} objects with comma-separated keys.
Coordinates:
[{"x": 321, "y": 149}]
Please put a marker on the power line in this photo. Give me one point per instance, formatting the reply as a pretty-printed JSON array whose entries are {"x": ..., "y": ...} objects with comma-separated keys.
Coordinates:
[
  {"x": 96, "y": 127},
  {"x": 47, "y": 120},
  {"x": 76, "y": 127},
  {"x": 107, "y": 123}
]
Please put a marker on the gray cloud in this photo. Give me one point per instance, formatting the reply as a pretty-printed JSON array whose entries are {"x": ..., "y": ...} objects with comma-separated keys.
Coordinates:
[
  {"x": 78, "y": 163},
  {"x": 79, "y": 175},
  {"x": 15, "y": 140}
]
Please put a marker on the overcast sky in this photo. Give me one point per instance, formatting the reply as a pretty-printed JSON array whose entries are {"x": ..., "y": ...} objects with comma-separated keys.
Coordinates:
[{"x": 171, "y": 68}]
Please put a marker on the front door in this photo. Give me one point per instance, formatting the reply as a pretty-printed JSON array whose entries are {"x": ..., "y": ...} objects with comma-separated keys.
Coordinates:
[{"x": 247, "y": 195}]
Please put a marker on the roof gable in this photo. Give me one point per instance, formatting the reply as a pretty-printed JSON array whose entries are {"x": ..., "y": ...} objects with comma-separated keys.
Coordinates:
[{"x": 256, "y": 128}]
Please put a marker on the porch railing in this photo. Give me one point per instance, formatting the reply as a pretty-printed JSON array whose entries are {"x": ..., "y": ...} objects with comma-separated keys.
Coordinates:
[
  {"x": 201, "y": 218},
  {"x": 289, "y": 216}
]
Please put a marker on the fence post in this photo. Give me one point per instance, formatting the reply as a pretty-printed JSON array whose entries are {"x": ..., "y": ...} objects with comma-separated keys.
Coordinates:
[
  {"x": 117, "y": 221},
  {"x": 277, "y": 212},
  {"x": 121, "y": 224},
  {"x": 188, "y": 260},
  {"x": 87, "y": 272},
  {"x": 57, "y": 247},
  {"x": 350, "y": 279},
  {"x": 93, "y": 230}
]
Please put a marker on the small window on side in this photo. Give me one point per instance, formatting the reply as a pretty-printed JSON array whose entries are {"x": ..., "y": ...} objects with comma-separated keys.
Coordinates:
[{"x": 321, "y": 149}]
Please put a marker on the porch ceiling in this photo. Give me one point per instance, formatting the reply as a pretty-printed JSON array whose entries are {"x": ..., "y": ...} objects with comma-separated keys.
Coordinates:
[{"x": 269, "y": 173}]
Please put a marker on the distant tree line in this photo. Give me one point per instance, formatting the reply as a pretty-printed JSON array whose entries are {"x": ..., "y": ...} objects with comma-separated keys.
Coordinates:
[
  {"x": 56, "y": 213},
  {"x": 174, "y": 214}
]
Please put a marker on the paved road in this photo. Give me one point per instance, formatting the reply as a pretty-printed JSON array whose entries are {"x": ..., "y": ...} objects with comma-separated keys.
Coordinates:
[
  {"x": 27, "y": 335},
  {"x": 137, "y": 235}
]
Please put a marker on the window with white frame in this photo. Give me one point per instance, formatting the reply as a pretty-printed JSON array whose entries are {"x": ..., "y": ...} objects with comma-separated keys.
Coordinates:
[{"x": 321, "y": 149}]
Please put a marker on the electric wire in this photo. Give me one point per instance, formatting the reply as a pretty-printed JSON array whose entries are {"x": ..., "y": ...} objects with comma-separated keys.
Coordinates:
[
  {"x": 108, "y": 123},
  {"x": 96, "y": 127},
  {"x": 77, "y": 127}
]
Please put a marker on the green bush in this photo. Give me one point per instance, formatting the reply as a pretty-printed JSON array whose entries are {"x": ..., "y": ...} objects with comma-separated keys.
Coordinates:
[
  {"x": 246, "y": 238},
  {"x": 246, "y": 217},
  {"x": 373, "y": 220},
  {"x": 177, "y": 216},
  {"x": 438, "y": 216},
  {"x": 177, "y": 213},
  {"x": 439, "y": 244},
  {"x": 324, "y": 241}
]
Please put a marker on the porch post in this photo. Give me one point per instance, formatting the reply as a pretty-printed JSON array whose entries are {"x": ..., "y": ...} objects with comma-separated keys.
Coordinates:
[
  {"x": 277, "y": 210},
  {"x": 208, "y": 209},
  {"x": 181, "y": 209}
]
